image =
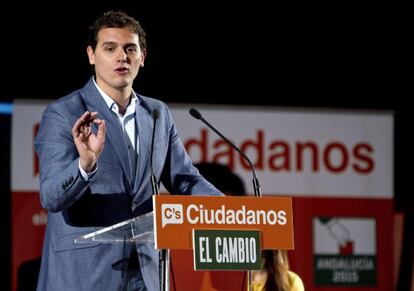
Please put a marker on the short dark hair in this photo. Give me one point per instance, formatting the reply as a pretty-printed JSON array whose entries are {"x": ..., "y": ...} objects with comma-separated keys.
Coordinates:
[{"x": 116, "y": 19}]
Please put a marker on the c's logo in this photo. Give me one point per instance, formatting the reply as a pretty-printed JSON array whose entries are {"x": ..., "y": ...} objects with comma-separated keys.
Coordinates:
[{"x": 172, "y": 214}]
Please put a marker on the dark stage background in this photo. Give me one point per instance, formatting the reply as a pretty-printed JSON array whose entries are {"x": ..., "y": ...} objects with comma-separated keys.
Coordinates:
[{"x": 327, "y": 56}]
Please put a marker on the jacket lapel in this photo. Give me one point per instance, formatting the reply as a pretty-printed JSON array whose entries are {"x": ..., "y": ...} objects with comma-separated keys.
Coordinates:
[
  {"x": 143, "y": 123},
  {"x": 95, "y": 102}
]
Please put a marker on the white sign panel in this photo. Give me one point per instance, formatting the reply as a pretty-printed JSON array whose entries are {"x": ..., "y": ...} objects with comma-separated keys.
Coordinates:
[
  {"x": 295, "y": 152},
  {"x": 25, "y": 121}
]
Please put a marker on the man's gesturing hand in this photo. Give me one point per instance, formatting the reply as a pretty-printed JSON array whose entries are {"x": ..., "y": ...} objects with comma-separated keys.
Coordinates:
[{"x": 89, "y": 145}]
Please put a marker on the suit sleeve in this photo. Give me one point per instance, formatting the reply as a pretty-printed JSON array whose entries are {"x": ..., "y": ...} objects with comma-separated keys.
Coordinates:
[
  {"x": 60, "y": 181},
  {"x": 179, "y": 175}
]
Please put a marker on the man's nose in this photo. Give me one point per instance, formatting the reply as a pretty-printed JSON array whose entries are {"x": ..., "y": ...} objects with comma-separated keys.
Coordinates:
[{"x": 122, "y": 55}]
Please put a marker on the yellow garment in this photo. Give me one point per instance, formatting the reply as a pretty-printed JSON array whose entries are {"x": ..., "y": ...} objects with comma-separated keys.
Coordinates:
[{"x": 295, "y": 283}]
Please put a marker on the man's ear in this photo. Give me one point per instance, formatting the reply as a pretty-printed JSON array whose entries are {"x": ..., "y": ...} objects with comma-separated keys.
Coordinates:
[
  {"x": 91, "y": 55},
  {"x": 144, "y": 55}
]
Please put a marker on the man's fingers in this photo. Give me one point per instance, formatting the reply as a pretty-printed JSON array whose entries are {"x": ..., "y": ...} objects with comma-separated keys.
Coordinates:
[
  {"x": 101, "y": 130},
  {"x": 97, "y": 121},
  {"x": 82, "y": 128},
  {"x": 80, "y": 122},
  {"x": 85, "y": 116}
]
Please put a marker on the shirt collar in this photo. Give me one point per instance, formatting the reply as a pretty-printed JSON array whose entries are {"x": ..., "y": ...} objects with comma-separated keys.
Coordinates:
[{"x": 111, "y": 103}]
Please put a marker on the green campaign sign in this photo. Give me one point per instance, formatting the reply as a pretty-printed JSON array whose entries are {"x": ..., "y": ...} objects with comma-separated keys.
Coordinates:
[
  {"x": 345, "y": 251},
  {"x": 226, "y": 249}
]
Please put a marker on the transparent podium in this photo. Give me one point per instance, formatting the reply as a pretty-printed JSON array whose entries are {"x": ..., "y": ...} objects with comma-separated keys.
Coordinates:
[{"x": 138, "y": 230}]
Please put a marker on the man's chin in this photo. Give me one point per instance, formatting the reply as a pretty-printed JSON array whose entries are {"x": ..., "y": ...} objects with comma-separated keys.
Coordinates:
[{"x": 123, "y": 83}]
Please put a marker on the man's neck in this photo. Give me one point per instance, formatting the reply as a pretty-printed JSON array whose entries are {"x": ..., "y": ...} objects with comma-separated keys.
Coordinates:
[{"x": 121, "y": 98}]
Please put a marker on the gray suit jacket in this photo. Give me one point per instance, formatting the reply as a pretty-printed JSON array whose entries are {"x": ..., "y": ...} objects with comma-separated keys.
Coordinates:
[{"x": 77, "y": 207}]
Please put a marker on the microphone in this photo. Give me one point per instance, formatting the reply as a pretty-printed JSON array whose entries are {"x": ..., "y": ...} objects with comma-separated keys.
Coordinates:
[
  {"x": 197, "y": 115},
  {"x": 154, "y": 184}
]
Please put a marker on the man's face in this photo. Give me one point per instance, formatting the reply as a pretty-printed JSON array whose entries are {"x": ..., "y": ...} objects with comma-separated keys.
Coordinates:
[{"x": 117, "y": 58}]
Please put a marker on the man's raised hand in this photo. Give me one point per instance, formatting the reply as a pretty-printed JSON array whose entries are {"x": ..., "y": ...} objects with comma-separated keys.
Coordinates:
[{"x": 88, "y": 144}]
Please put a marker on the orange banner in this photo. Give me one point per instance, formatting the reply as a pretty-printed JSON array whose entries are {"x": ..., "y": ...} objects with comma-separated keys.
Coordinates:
[{"x": 177, "y": 215}]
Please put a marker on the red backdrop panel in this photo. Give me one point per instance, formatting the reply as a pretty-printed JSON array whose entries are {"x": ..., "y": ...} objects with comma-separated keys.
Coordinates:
[{"x": 28, "y": 227}]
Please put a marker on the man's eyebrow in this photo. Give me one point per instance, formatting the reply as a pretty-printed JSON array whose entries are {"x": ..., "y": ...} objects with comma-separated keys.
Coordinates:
[
  {"x": 131, "y": 44},
  {"x": 115, "y": 43},
  {"x": 108, "y": 42}
]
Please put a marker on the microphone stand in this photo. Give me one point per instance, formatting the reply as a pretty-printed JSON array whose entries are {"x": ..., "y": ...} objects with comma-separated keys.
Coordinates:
[
  {"x": 164, "y": 262},
  {"x": 154, "y": 184},
  {"x": 256, "y": 186}
]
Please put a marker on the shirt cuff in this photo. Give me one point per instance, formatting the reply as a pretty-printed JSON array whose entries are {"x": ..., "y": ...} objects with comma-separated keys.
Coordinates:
[{"x": 87, "y": 176}]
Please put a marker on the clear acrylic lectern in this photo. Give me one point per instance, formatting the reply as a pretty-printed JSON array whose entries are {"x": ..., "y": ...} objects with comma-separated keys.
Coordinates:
[{"x": 139, "y": 230}]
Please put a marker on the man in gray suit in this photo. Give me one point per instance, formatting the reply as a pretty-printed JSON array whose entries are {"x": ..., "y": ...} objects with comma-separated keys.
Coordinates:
[{"x": 94, "y": 149}]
